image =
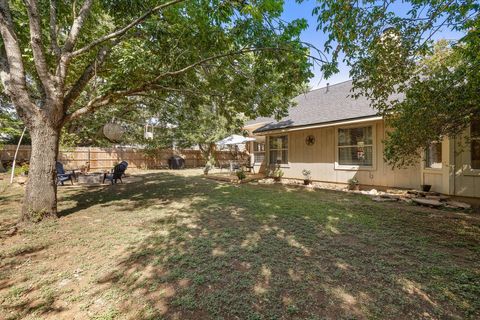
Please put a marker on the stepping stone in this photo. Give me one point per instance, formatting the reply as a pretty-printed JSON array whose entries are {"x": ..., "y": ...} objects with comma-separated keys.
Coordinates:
[
  {"x": 382, "y": 199},
  {"x": 439, "y": 198},
  {"x": 457, "y": 205},
  {"x": 427, "y": 202},
  {"x": 391, "y": 196}
]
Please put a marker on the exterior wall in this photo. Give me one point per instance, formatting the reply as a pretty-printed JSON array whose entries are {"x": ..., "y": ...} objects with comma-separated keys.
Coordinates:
[
  {"x": 320, "y": 159},
  {"x": 440, "y": 178},
  {"x": 465, "y": 180},
  {"x": 258, "y": 167},
  {"x": 456, "y": 177}
]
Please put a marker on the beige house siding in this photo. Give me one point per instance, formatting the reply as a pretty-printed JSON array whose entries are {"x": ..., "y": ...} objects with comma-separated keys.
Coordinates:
[
  {"x": 455, "y": 177},
  {"x": 466, "y": 181},
  {"x": 320, "y": 159}
]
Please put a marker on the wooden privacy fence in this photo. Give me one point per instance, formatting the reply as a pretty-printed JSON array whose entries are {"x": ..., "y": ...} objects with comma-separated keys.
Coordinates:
[{"x": 106, "y": 158}]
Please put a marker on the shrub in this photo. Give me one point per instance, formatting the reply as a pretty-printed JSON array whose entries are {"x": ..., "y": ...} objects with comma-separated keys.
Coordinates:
[
  {"x": 241, "y": 175},
  {"x": 306, "y": 174}
]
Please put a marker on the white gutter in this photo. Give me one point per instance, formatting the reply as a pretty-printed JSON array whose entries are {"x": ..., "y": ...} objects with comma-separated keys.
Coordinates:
[{"x": 315, "y": 126}]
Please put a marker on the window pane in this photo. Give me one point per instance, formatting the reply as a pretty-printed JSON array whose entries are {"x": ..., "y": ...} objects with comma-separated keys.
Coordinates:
[
  {"x": 280, "y": 142},
  {"x": 475, "y": 152},
  {"x": 475, "y": 129},
  {"x": 257, "y": 146},
  {"x": 285, "y": 156},
  {"x": 360, "y": 156},
  {"x": 355, "y": 136},
  {"x": 258, "y": 157},
  {"x": 433, "y": 156},
  {"x": 278, "y": 157}
]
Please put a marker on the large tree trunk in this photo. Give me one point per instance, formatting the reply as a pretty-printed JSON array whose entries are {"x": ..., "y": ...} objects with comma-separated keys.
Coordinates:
[{"x": 41, "y": 192}]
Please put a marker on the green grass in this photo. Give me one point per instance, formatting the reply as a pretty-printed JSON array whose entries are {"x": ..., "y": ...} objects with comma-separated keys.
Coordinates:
[{"x": 175, "y": 245}]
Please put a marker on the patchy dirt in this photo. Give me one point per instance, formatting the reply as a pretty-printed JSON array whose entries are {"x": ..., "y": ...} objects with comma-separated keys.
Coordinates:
[{"x": 173, "y": 245}]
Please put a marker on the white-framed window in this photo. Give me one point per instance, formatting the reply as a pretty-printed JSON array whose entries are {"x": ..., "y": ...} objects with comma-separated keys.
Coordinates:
[
  {"x": 433, "y": 156},
  {"x": 278, "y": 149},
  {"x": 355, "y": 147},
  {"x": 258, "y": 152},
  {"x": 475, "y": 144}
]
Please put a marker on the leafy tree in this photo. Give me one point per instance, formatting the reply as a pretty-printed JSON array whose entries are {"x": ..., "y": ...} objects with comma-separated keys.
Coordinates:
[
  {"x": 62, "y": 60},
  {"x": 424, "y": 92},
  {"x": 204, "y": 127},
  {"x": 10, "y": 126}
]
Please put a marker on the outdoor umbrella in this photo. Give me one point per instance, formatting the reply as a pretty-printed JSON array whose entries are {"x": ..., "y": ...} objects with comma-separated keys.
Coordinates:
[{"x": 234, "y": 139}]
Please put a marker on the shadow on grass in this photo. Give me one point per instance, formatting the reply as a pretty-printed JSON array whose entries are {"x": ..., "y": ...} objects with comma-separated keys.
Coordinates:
[
  {"x": 14, "y": 259},
  {"x": 210, "y": 250},
  {"x": 269, "y": 252}
]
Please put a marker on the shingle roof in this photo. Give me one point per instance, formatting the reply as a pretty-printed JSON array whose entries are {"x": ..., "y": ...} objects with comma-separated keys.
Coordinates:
[
  {"x": 259, "y": 120},
  {"x": 323, "y": 106}
]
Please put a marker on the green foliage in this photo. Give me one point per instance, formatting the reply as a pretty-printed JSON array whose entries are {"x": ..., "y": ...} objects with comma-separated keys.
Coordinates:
[
  {"x": 24, "y": 168},
  {"x": 426, "y": 92},
  {"x": 353, "y": 182},
  {"x": 239, "y": 52},
  {"x": 276, "y": 172},
  {"x": 306, "y": 174},
  {"x": 241, "y": 175},
  {"x": 440, "y": 101},
  {"x": 10, "y": 126}
]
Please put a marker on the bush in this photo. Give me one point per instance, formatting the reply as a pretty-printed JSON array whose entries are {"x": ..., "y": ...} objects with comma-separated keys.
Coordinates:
[
  {"x": 241, "y": 175},
  {"x": 24, "y": 168}
]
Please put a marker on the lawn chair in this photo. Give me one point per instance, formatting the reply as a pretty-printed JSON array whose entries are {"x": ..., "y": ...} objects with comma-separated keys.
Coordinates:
[
  {"x": 62, "y": 176},
  {"x": 117, "y": 172}
]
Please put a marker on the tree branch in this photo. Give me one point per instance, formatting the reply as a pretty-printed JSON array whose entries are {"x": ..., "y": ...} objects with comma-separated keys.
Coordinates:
[
  {"x": 4, "y": 70},
  {"x": 16, "y": 86},
  {"x": 111, "y": 97},
  {"x": 53, "y": 30},
  {"x": 86, "y": 76},
  {"x": 123, "y": 30},
  {"x": 37, "y": 47},
  {"x": 77, "y": 26}
]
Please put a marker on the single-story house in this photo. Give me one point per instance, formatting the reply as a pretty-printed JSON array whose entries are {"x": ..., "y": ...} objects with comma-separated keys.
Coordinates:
[{"x": 338, "y": 137}]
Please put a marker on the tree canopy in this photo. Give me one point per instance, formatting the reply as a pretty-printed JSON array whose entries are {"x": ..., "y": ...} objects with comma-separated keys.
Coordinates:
[
  {"x": 425, "y": 92},
  {"x": 63, "y": 60}
]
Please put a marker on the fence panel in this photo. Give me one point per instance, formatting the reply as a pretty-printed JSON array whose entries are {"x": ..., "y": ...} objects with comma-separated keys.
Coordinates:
[{"x": 106, "y": 158}]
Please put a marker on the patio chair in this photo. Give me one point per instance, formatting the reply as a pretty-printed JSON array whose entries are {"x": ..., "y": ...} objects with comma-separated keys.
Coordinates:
[
  {"x": 63, "y": 176},
  {"x": 117, "y": 172},
  {"x": 250, "y": 168}
]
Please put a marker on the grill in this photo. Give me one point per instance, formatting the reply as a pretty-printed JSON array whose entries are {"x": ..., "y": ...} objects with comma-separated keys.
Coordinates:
[{"x": 176, "y": 162}]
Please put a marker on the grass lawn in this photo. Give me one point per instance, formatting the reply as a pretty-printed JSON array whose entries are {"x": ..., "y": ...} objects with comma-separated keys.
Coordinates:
[{"x": 176, "y": 246}]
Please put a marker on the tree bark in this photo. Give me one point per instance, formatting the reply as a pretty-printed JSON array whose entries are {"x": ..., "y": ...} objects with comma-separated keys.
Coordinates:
[{"x": 41, "y": 193}]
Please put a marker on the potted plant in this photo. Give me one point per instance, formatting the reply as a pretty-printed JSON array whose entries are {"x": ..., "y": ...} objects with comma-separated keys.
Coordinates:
[
  {"x": 353, "y": 184},
  {"x": 276, "y": 173},
  {"x": 426, "y": 187},
  {"x": 241, "y": 175},
  {"x": 306, "y": 176}
]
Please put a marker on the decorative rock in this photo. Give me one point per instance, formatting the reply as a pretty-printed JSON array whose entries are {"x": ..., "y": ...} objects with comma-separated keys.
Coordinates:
[
  {"x": 427, "y": 202},
  {"x": 390, "y": 196},
  {"x": 373, "y": 192},
  {"x": 383, "y": 199},
  {"x": 457, "y": 205},
  {"x": 396, "y": 191}
]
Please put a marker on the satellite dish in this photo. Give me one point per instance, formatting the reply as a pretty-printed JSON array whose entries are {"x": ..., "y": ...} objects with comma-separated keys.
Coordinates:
[{"x": 113, "y": 131}]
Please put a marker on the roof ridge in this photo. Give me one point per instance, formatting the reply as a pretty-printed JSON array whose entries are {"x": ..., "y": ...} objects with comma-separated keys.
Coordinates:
[{"x": 330, "y": 85}]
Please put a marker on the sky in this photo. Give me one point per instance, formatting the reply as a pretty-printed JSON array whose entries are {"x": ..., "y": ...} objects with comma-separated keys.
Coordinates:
[{"x": 294, "y": 10}]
